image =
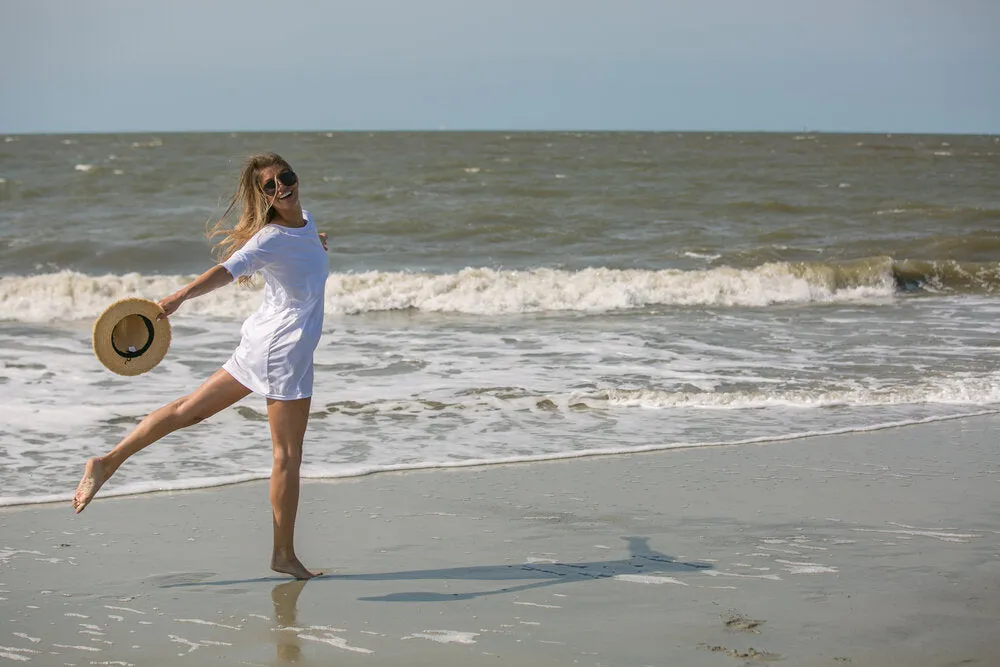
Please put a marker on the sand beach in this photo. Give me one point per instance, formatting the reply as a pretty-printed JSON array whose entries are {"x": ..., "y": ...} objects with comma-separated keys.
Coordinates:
[{"x": 871, "y": 549}]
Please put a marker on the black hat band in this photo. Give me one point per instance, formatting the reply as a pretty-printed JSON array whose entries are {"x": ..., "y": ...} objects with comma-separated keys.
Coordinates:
[{"x": 132, "y": 354}]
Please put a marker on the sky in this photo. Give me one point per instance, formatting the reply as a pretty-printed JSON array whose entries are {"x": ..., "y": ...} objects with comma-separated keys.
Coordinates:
[{"x": 670, "y": 65}]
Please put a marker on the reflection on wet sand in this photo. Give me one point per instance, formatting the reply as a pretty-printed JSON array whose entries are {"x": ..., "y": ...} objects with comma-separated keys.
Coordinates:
[{"x": 285, "y": 597}]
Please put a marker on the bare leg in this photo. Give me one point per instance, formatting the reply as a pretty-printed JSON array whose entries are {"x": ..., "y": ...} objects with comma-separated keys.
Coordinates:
[
  {"x": 216, "y": 393},
  {"x": 288, "y": 428}
]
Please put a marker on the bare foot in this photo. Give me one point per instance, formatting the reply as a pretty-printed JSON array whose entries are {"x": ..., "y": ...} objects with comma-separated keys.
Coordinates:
[
  {"x": 93, "y": 477},
  {"x": 292, "y": 566}
]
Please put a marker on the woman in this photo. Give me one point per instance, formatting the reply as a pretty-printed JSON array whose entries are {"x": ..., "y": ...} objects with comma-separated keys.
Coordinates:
[{"x": 276, "y": 238}]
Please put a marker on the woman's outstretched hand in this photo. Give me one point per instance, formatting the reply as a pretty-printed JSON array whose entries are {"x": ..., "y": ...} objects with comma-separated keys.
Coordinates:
[{"x": 169, "y": 305}]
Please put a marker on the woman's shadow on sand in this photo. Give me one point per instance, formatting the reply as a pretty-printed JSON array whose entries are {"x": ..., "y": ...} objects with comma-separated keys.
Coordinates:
[{"x": 641, "y": 560}]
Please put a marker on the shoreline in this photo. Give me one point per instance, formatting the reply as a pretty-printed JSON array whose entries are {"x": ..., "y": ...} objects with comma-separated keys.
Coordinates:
[
  {"x": 876, "y": 548},
  {"x": 250, "y": 478}
]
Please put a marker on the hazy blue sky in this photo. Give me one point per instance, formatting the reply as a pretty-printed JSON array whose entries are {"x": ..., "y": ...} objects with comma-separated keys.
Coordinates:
[{"x": 839, "y": 65}]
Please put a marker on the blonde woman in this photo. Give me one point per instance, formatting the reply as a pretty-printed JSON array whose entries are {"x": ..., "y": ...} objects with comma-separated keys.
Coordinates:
[{"x": 277, "y": 239}]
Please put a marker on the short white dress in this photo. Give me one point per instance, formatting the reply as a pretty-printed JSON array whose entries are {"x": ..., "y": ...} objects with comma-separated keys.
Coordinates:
[{"x": 275, "y": 355}]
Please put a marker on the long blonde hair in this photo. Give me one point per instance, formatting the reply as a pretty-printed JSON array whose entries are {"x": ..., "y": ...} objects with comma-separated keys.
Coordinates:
[{"x": 255, "y": 209}]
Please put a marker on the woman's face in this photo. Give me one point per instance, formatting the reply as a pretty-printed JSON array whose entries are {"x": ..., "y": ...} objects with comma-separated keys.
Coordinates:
[{"x": 280, "y": 186}]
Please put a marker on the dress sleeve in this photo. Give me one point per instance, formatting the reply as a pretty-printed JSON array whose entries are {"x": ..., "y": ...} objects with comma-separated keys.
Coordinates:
[{"x": 252, "y": 257}]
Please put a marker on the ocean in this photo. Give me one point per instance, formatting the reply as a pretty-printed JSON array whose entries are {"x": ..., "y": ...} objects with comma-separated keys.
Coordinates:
[{"x": 498, "y": 297}]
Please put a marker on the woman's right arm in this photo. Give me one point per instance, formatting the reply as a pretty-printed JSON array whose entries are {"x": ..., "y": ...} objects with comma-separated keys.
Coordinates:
[{"x": 212, "y": 279}]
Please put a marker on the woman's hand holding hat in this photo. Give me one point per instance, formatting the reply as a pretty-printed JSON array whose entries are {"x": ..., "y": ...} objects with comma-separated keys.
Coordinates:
[{"x": 169, "y": 305}]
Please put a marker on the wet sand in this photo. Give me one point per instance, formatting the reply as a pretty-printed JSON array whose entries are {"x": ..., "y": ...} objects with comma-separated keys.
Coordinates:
[{"x": 879, "y": 549}]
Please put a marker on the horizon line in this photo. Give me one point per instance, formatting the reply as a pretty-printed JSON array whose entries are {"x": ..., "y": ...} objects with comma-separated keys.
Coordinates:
[{"x": 506, "y": 131}]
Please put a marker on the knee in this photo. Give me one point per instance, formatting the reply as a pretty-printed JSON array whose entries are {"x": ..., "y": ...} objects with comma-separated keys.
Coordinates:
[
  {"x": 287, "y": 458},
  {"x": 186, "y": 413}
]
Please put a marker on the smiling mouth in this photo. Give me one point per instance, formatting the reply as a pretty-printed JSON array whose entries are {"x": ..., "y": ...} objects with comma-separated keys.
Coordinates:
[{"x": 286, "y": 195}]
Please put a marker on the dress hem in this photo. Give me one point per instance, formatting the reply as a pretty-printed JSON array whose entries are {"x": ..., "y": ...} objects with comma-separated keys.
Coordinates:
[
  {"x": 273, "y": 397},
  {"x": 229, "y": 368}
]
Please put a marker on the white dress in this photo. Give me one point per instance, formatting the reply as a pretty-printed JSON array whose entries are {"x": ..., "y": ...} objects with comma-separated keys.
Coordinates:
[{"x": 275, "y": 356}]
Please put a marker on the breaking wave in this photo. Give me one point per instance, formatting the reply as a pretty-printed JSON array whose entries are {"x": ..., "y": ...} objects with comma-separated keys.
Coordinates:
[{"x": 69, "y": 295}]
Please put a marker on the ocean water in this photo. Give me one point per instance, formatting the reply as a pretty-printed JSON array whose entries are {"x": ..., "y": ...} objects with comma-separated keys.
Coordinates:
[{"x": 509, "y": 297}]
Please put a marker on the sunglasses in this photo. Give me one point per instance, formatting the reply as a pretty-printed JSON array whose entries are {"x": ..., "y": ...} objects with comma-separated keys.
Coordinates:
[{"x": 287, "y": 178}]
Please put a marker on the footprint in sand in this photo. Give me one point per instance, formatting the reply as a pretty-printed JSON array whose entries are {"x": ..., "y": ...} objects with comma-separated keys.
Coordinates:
[
  {"x": 749, "y": 654},
  {"x": 740, "y": 622}
]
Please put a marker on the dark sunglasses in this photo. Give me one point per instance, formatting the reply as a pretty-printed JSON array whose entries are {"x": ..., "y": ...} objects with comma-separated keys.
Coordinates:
[{"x": 287, "y": 178}]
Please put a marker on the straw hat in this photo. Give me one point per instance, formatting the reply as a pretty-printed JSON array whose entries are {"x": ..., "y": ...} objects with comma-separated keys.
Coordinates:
[{"x": 128, "y": 338}]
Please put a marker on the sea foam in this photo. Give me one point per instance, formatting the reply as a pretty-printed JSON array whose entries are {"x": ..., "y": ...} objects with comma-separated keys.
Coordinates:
[{"x": 68, "y": 295}]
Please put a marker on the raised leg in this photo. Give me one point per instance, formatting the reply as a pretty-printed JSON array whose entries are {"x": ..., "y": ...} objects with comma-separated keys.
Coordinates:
[
  {"x": 216, "y": 393},
  {"x": 288, "y": 421}
]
